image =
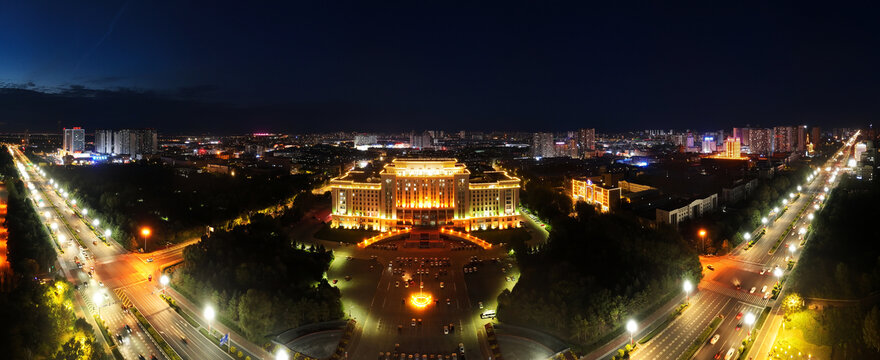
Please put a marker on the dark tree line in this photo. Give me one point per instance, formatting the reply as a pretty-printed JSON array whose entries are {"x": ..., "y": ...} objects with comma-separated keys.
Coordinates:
[
  {"x": 176, "y": 207},
  {"x": 259, "y": 280},
  {"x": 594, "y": 272}
]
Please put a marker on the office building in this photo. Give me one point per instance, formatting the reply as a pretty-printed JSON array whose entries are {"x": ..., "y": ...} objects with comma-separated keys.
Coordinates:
[
  {"x": 709, "y": 145},
  {"x": 104, "y": 141},
  {"x": 761, "y": 141},
  {"x": 74, "y": 140},
  {"x": 602, "y": 197},
  {"x": 785, "y": 139},
  {"x": 742, "y": 134},
  {"x": 543, "y": 145},
  {"x": 815, "y": 135},
  {"x": 732, "y": 150},
  {"x": 135, "y": 142},
  {"x": 681, "y": 210},
  {"x": 410, "y": 193},
  {"x": 586, "y": 139},
  {"x": 801, "y": 138}
]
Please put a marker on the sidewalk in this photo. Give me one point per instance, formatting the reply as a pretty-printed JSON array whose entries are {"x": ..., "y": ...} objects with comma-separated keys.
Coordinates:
[
  {"x": 646, "y": 325},
  {"x": 235, "y": 338}
]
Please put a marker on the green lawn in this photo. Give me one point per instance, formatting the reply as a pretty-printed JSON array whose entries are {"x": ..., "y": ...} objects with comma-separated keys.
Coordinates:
[
  {"x": 503, "y": 236},
  {"x": 349, "y": 236}
]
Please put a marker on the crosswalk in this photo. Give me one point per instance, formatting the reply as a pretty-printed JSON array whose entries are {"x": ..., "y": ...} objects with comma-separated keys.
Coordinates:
[
  {"x": 123, "y": 298},
  {"x": 744, "y": 296}
]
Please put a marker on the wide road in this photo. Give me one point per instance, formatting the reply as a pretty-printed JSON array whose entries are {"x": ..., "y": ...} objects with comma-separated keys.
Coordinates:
[
  {"x": 124, "y": 276},
  {"x": 727, "y": 290}
]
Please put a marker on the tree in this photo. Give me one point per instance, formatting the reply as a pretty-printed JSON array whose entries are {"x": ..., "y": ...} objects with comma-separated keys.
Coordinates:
[
  {"x": 871, "y": 329},
  {"x": 255, "y": 314},
  {"x": 792, "y": 303}
]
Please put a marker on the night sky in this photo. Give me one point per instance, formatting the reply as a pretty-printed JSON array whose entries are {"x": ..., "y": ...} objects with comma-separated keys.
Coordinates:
[{"x": 395, "y": 66}]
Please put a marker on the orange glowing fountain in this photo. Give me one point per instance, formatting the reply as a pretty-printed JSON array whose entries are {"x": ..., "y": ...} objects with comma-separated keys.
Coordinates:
[{"x": 420, "y": 300}]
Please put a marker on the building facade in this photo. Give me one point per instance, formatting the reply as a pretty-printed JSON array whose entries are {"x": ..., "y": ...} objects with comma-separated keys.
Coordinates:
[
  {"x": 135, "y": 142},
  {"x": 104, "y": 141},
  {"x": 785, "y": 139},
  {"x": 675, "y": 213},
  {"x": 586, "y": 139},
  {"x": 410, "y": 193},
  {"x": 761, "y": 141},
  {"x": 74, "y": 140},
  {"x": 543, "y": 145},
  {"x": 604, "y": 198}
]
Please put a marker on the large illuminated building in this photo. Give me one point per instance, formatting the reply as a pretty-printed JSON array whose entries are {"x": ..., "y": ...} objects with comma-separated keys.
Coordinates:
[
  {"x": 602, "y": 197},
  {"x": 731, "y": 150},
  {"x": 408, "y": 193}
]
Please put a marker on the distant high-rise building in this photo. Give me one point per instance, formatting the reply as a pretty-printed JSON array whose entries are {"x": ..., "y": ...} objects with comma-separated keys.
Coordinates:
[
  {"x": 709, "y": 145},
  {"x": 74, "y": 140},
  {"x": 135, "y": 142},
  {"x": 104, "y": 141},
  {"x": 742, "y": 134},
  {"x": 801, "y": 138},
  {"x": 761, "y": 141},
  {"x": 543, "y": 145},
  {"x": 815, "y": 135},
  {"x": 421, "y": 141},
  {"x": 586, "y": 141},
  {"x": 785, "y": 138},
  {"x": 364, "y": 140}
]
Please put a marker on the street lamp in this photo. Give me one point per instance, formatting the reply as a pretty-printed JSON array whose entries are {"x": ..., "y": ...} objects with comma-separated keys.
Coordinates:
[
  {"x": 810, "y": 216},
  {"x": 778, "y": 273},
  {"x": 764, "y": 220},
  {"x": 96, "y": 222},
  {"x": 145, "y": 232},
  {"x": 784, "y": 201},
  {"x": 703, "y": 238},
  {"x": 107, "y": 233},
  {"x": 791, "y": 195},
  {"x": 209, "y": 315},
  {"x": 631, "y": 326},
  {"x": 62, "y": 238},
  {"x": 791, "y": 248},
  {"x": 799, "y": 188},
  {"x": 54, "y": 226},
  {"x": 749, "y": 320},
  {"x": 85, "y": 212},
  {"x": 282, "y": 355},
  {"x": 776, "y": 209},
  {"x": 98, "y": 298},
  {"x": 164, "y": 281},
  {"x": 747, "y": 236},
  {"x": 687, "y": 290}
]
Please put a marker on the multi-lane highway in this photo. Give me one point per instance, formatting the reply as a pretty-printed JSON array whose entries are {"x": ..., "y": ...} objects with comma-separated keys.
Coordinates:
[
  {"x": 120, "y": 279},
  {"x": 727, "y": 290}
]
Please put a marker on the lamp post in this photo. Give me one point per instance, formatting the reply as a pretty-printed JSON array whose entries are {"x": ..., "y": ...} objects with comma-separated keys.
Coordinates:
[
  {"x": 703, "y": 238},
  {"x": 282, "y": 355},
  {"x": 687, "y": 290},
  {"x": 209, "y": 315},
  {"x": 749, "y": 320},
  {"x": 164, "y": 281},
  {"x": 778, "y": 273},
  {"x": 145, "y": 232},
  {"x": 98, "y": 299},
  {"x": 631, "y": 326}
]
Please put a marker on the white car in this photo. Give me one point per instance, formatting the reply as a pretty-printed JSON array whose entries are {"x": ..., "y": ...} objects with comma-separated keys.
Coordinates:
[
  {"x": 730, "y": 354},
  {"x": 764, "y": 289},
  {"x": 715, "y": 339},
  {"x": 752, "y": 291}
]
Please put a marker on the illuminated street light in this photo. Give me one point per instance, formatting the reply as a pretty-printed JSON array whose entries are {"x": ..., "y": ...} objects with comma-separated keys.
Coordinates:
[
  {"x": 282, "y": 355},
  {"x": 816, "y": 206},
  {"x": 107, "y": 233},
  {"x": 810, "y": 216},
  {"x": 98, "y": 299},
  {"x": 776, "y": 209},
  {"x": 749, "y": 319},
  {"x": 85, "y": 212},
  {"x": 62, "y": 238},
  {"x": 145, "y": 232},
  {"x": 631, "y": 326},
  {"x": 95, "y": 222},
  {"x": 747, "y": 236},
  {"x": 777, "y": 272},
  {"x": 702, "y": 237},
  {"x": 802, "y": 231},
  {"x": 764, "y": 220},
  {"x": 791, "y": 248},
  {"x": 54, "y": 226},
  {"x": 791, "y": 195},
  {"x": 826, "y": 189},
  {"x": 73, "y": 201},
  {"x": 209, "y": 315},
  {"x": 799, "y": 188},
  {"x": 687, "y": 290},
  {"x": 164, "y": 281}
]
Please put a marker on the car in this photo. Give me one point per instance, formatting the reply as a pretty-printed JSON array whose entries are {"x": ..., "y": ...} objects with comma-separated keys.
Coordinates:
[
  {"x": 730, "y": 354},
  {"x": 766, "y": 295},
  {"x": 445, "y": 329},
  {"x": 150, "y": 277},
  {"x": 739, "y": 326},
  {"x": 90, "y": 274},
  {"x": 128, "y": 328},
  {"x": 442, "y": 285},
  {"x": 461, "y": 348},
  {"x": 717, "y": 355},
  {"x": 149, "y": 259},
  {"x": 764, "y": 289},
  {"x": 448, "y": 301},
  {"x": 92, "y": 268},
  {"x": 335, "y": 281},
  {"x": 397, "y": 284},
  {"x": 739, "y": 316},
  {"x": 101, "y": 283},
  {"x": 406, "y": 284},
  {"x": 348, "y": 258},
  {"x": 347, "y": 277},
  {"x": 413, "y": 322},
  {"x": 715, "y": 339},
  {"x": 763, "y": 271},
  {"x": 141, "y": 357},
  {"x": 710, "y": 267},
  {"x": 118, "y": 338},
  {"x": 752, "y": 291},
  {"x": 419, "y": 321},
  {"x": 480, "y": 304}
]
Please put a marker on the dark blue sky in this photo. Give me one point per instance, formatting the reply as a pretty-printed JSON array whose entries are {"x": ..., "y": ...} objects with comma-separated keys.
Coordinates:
[{"x": 330, "y": 65}]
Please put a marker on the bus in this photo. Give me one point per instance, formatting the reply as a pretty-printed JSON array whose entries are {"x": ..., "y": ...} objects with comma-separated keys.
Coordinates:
[{"x": 488, "y": 314}]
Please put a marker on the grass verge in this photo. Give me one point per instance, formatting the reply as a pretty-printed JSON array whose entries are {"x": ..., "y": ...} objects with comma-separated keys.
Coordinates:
[
  {"x": 762, "y": 318},
  {"x": 691, "y": 350},
  {"x": 159, "y": 340},
  {"x": 104, "y": 331}
]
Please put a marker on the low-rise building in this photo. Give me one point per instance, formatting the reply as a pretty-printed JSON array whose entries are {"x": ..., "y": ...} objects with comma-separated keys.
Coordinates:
[{"x": 675, "y": 212}]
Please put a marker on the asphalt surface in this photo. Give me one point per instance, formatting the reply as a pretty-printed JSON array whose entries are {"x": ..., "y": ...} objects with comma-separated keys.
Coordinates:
[{"x": 727, "y": 290}]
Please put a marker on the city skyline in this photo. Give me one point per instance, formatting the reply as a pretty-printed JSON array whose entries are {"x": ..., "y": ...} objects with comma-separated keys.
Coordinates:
[{"x": 328, "y": 67}]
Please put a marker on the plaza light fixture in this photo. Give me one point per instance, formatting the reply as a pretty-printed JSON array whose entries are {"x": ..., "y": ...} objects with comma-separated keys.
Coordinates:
[{"x": 687, "y": 289}]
